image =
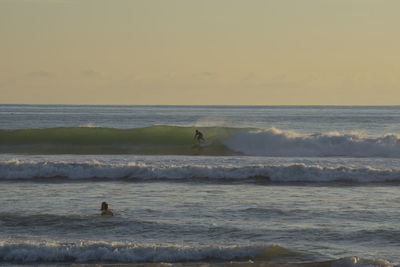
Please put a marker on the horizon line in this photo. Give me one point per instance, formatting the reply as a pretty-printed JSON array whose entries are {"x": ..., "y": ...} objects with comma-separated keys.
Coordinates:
[{"x": 207, "y": 105}]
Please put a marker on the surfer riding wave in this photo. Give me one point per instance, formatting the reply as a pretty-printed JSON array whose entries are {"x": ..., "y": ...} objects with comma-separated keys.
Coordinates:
[{"x": 199, "y": 136}]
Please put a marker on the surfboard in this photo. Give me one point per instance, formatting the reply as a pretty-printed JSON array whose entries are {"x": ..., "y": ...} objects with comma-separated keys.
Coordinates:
[
  {"x": 206, "y": 143},
  {"x": 202, "y": 144}
]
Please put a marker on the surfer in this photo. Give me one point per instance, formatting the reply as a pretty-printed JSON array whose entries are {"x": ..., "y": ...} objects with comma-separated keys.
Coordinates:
[
  {"x": 199, "y": 136},
  {"x": 105, "y": 211}
]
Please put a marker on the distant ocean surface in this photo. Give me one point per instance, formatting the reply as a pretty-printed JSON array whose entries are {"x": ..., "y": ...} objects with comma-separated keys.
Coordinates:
[{"x": 286, "y": 185}]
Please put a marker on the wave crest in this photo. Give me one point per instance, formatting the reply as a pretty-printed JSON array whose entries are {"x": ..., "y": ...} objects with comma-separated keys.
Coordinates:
[
  {"x": 275, "y": 142},
  {"x": 295, "y": 172},
  {"x": 174, "y": 140},
  {"x": 117, "y": 252},
  {"x": 88, "y": 252}
]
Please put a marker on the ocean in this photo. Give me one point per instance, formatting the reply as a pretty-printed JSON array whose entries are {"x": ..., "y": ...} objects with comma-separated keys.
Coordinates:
[{"x": 273, "y": 185}]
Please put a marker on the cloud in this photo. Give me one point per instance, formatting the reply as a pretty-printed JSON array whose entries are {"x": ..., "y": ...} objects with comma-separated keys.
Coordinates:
[
  {"x": 47, "y": 1},
  {"x": 38, "y": 1},
  {"x": 39, "y": 74},
  {"x": 4, "y": 83},
  {"x": 249, "y": 76},
  {"x": 90, "y": 73},
  {"x": 205, "y": 75},
  {"x": 282, "y": 81}
]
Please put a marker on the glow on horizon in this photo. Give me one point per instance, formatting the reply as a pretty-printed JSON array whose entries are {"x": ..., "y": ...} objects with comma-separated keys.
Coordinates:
[{"x": 186, "y": 52}]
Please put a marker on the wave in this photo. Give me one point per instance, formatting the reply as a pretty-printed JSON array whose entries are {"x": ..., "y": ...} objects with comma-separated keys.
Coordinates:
[
  {"x": 154, "y": 140},
  {"x": 275, "y": 142},
  {"x": 174, "y": 140},
  {"x": 86, "y": 252},
  {"x": 115, "y": 252},
  {"x": 295, "y": 172}
]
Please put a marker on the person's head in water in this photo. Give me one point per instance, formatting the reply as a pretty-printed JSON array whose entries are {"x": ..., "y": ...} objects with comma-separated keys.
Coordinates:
[
  {"x": 104, "y": 209},
  {"x": 104, "y": 206}
]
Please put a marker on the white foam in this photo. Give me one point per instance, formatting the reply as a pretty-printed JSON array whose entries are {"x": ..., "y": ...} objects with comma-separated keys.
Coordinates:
[
  {"x": 87, "y": 252},
  {"x": 29, "y": 252},
  {"x": 89, "y": 125},
  {"x": 30, "y": 169},
  {"x": 359, "y": 262},
  {"x": 274, "y": 142}
]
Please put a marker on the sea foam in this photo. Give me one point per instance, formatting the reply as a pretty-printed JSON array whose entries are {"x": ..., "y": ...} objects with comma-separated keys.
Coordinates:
[
  {"x": 88, "y": 252},
  {"x": 290, "y": 172},
  {"x": 116, "y": 252},
  {"x": 275, "y": 142}
]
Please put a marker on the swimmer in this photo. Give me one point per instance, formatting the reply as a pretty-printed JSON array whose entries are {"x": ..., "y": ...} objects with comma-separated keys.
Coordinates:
[{"x": 105, "y": 211}]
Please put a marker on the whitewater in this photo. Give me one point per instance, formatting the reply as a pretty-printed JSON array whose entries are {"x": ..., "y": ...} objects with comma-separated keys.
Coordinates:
[
  {"x": 180, "y": 168},
  {"x": 280, "y": 185}
]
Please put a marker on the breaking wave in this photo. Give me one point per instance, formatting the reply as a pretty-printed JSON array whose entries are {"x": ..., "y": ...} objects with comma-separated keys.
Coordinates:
[
  {"x": 154, "y": 140},
  {"x": 87, "y": 252},
  {"x": 274, "y": 142},
  {"x": 294, "y": 172},
  {"x": 115, "y": 252},
  {"x": 174, "y": 140}
]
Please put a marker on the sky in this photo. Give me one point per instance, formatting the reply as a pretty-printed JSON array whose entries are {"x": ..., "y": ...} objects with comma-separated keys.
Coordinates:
[{"x": 204, "y": 52}]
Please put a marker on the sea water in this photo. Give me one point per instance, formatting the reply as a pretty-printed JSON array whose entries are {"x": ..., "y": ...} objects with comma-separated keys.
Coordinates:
[{"x": 281, "y": 184}]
